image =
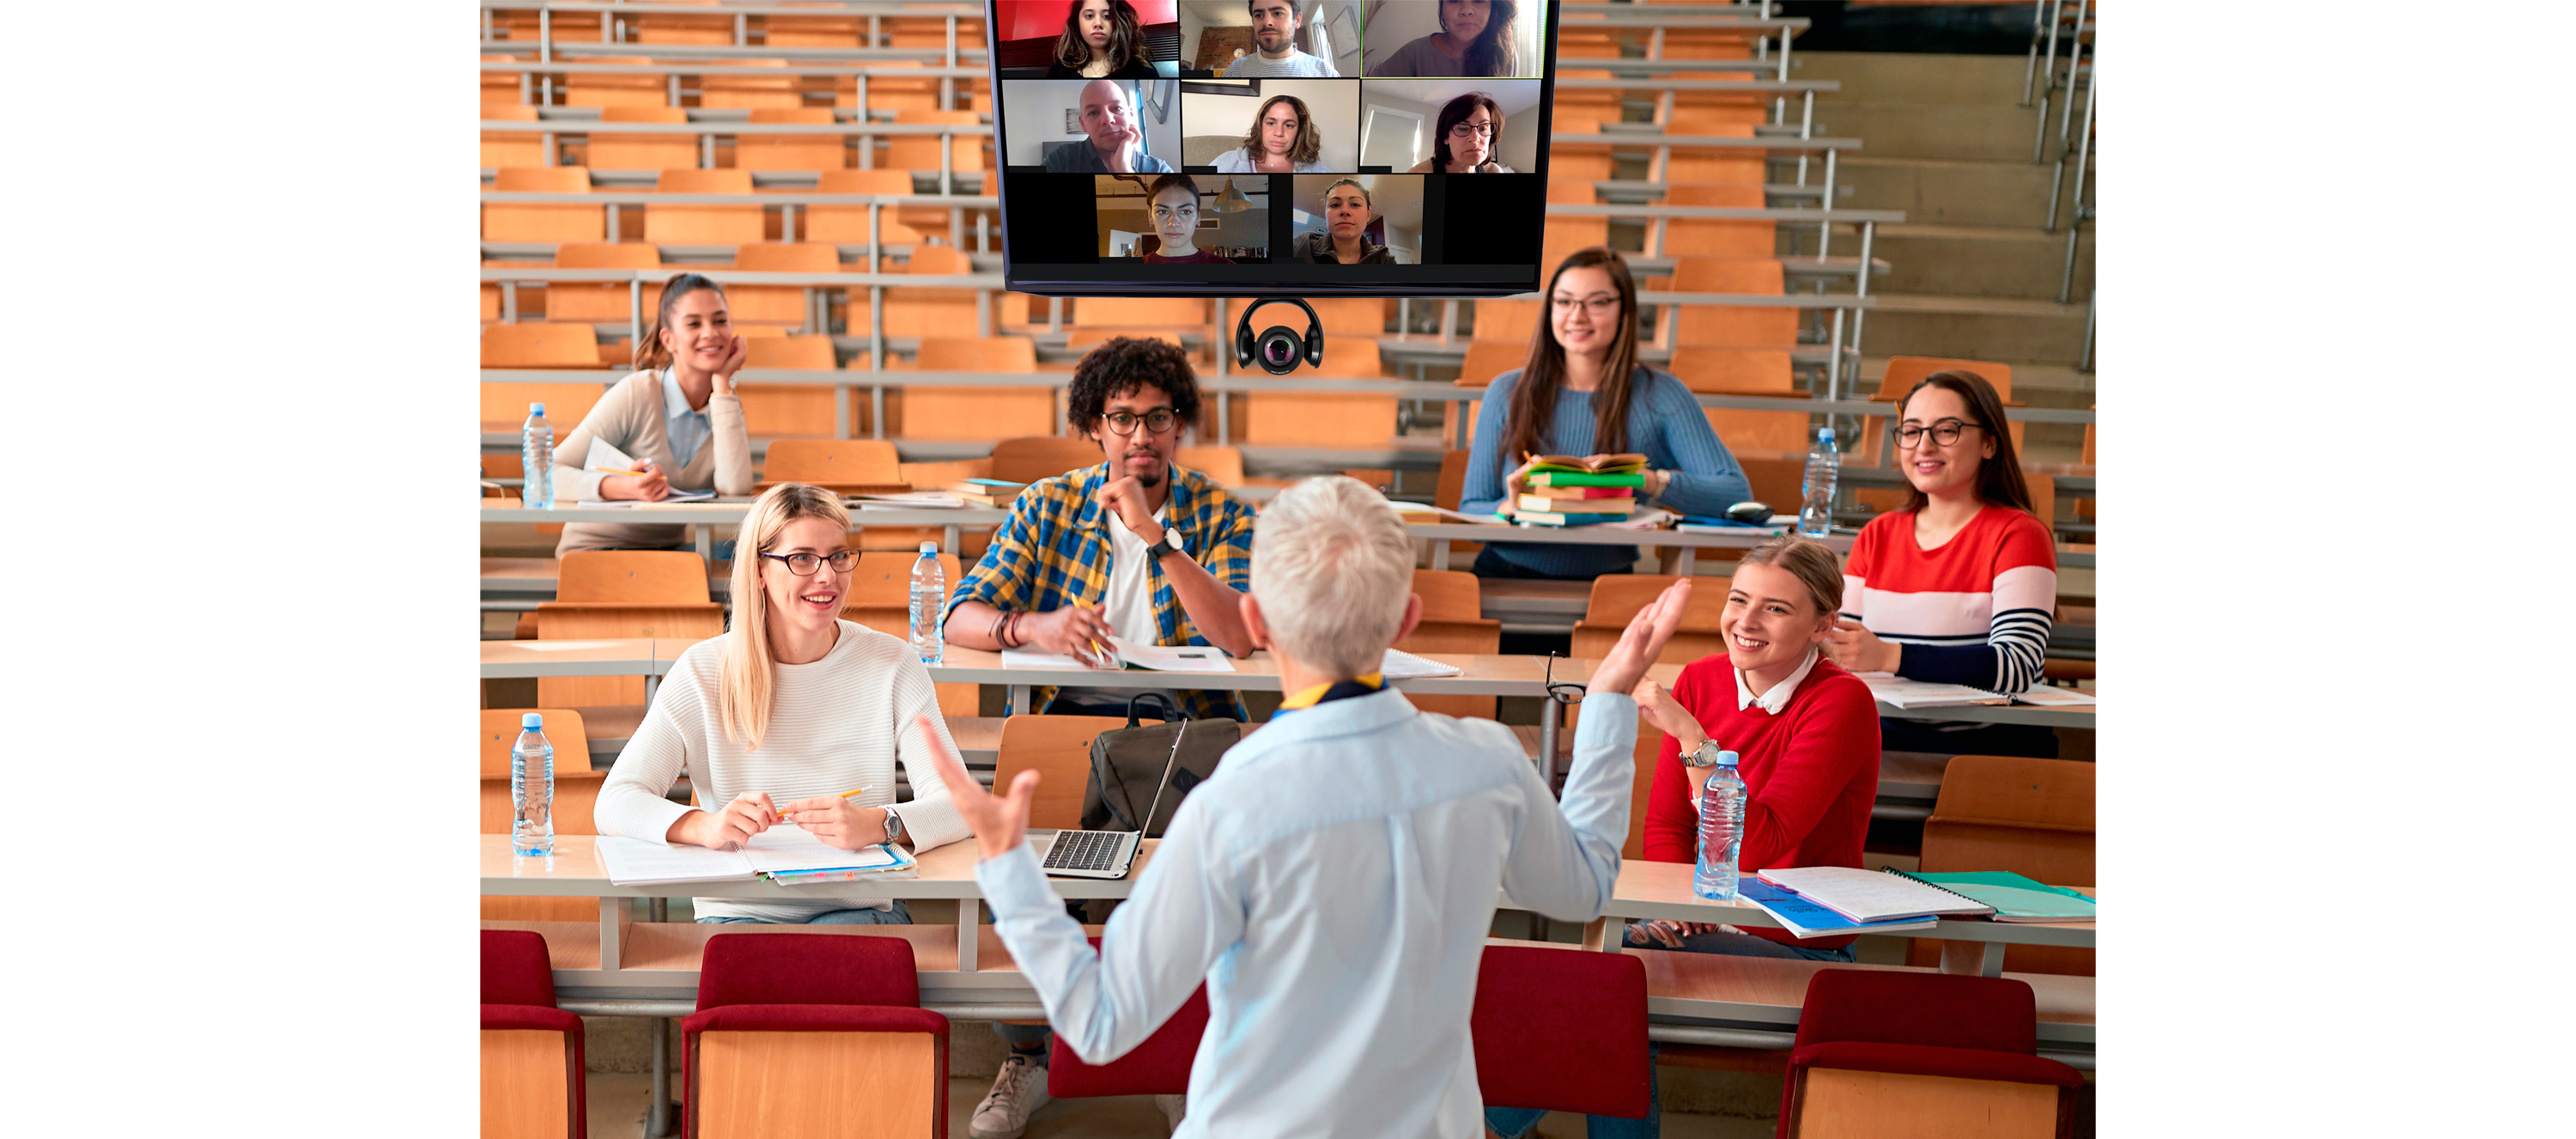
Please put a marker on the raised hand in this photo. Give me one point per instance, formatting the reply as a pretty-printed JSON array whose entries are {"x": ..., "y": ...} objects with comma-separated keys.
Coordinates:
[
  {"x": 999, "y": 822},
  {"x": 1626, "y": 662}
]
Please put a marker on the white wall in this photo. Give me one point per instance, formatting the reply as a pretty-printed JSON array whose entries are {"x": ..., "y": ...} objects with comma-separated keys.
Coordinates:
[
  {"x": 1033, "y": 116},
  {"x": 1430, "y": 118}
]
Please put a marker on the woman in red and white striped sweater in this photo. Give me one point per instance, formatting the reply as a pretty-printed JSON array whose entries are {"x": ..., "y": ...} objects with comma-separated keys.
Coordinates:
[{"x": 1959, "y": 585}]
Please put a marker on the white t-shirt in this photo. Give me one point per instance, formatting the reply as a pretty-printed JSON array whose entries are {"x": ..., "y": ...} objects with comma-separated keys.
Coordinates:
[
  {"x": 1128, "y": 605},
  {"x": 1239, "y": 161},
  {"x": 1298, "y": 65}
]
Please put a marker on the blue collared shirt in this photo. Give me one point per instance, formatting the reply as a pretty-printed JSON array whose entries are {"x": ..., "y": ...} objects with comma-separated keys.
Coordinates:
[
  {"x": 1332, "y": 884},
  {"x": 687, "y": 428}
]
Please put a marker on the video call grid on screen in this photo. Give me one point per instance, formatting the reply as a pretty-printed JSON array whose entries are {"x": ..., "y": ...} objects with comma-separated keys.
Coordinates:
[{"x": 1270, "y": 143}]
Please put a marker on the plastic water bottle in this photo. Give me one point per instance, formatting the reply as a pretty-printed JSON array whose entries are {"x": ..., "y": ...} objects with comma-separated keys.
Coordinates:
[
  {"x": 1721, "y": 831},
  {"x": 537, "y": 459},
  {"x": 1824, "y": 465},
  {"x": 532, "y": 789},
  {"x": 929, "y": 590}
]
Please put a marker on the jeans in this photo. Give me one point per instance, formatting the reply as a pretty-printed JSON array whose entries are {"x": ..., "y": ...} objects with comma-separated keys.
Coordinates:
[
  {"x": 1514, "y": 1122},
  {"x": 1491, "y": 564},
  {"x": 899, "y": 915}
]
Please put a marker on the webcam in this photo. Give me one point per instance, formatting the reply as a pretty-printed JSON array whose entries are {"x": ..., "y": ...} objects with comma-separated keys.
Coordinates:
[{"x": 1277, "y": 349}]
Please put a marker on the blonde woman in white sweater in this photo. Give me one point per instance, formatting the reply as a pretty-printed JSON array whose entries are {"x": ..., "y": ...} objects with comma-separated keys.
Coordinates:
[
  {"x": 676, "y": 417},
  {"x": 775, "y": 719}
]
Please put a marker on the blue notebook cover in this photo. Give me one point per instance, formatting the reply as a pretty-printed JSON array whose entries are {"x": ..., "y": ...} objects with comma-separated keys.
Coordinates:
[{"x": 1811, "y": 919}]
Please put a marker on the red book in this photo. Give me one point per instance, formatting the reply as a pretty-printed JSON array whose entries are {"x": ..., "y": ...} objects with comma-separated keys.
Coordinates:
[{"x": 1581, "y": 491}]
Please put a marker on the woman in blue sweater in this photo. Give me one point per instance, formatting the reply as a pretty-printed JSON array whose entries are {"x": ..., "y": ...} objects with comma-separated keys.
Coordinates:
[{"x": 1584, "y": 393}]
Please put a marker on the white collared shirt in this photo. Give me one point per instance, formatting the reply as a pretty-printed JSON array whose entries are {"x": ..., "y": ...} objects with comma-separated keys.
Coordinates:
[
  {"x": 1331, "y": 884},
  {"x": 687, "y": 428},
  {"x": 1780, "y": 693}
]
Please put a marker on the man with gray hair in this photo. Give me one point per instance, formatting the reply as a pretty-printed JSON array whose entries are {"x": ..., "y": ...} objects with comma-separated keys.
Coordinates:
[{"x": 1333, "y": 881}]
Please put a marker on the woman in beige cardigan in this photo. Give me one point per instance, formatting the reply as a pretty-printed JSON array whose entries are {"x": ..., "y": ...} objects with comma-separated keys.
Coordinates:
[{"x": 677, "y": 417}]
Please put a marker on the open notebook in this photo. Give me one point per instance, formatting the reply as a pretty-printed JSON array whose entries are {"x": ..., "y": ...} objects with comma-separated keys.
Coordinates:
[{"x": 780, "y": 851}]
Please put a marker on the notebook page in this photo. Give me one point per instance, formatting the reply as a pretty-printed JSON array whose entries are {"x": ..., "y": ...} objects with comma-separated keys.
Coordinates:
[
  {"x": 787, "y": 847},
  {"x": 635, "y": 862},
  {"x": 1867, "y": 895}
]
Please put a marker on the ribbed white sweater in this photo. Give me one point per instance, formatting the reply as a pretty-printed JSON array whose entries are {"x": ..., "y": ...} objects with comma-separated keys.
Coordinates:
[{"x": 837, "y": 723}]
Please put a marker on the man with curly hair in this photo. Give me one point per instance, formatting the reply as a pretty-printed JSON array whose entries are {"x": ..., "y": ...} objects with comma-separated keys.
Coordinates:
[{"x": 1135, "y": 547}]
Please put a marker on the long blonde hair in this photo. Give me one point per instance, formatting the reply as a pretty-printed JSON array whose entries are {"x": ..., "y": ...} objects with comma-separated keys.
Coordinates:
[{"x": 750, "y": 672}]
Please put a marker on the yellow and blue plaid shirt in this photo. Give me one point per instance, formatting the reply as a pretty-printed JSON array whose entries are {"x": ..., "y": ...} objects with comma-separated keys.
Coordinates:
[{"x": 1054, "y": 551}]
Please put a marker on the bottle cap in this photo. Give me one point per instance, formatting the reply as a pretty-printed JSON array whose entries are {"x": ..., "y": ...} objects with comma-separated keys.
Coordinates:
[
  {"x": 532, "y": 721},
  {"x": 1825, "y": 433},
  {"x": 536, "y": 409},
  {"x": 930, "y": 547},
  {"x": 1726, "y": 759}
]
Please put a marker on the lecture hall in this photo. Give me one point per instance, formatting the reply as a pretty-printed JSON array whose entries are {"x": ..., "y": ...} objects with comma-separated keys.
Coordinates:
[{"x": 822, "y": 574}]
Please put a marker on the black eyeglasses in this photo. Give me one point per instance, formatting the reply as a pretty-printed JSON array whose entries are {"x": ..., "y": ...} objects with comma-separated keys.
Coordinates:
[
  {"x": 1944, "y": 432},
  {"x": 804, "y": 565},
  {"x": 1472, "y": 130},
  {"x": 1156, "y": 421},
  {"x": 1563, "y": 693}
]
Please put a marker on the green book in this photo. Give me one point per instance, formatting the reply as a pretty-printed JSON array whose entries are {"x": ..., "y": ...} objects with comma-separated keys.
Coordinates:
[
  {"x": 2014, "y": 897},
  {"x": 1586, "y": 478}
]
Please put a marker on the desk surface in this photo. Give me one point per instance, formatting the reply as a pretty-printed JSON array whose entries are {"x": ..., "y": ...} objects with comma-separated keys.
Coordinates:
[
  {"x": 1480, "y": 676},
  {"x": 1643, "y": 889}
]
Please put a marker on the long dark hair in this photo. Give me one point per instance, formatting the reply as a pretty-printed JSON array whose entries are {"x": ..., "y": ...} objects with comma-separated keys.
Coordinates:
[
  {"x": 1495, "y": 52},
  {"x": 1126, "y": 42},
  {"x": 1999, "y": 479},
  {"x": 649, "y": 352},
  {"x": 1456, "y": 112},
  {"x": 1533, "y": 400}
]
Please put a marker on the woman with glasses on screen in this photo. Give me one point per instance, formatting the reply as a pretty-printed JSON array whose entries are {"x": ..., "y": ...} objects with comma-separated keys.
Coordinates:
[
  {"x": 1173, "y": 203},
  {"x": 781, "y": 716},
  {"x": 1102, "y": 39},
  {"x": 1283, "y": 140},
  {"x": 1468, "y": 134},
  {"x": 1476, "y": 39},
  {"x": 1584, "y": 393},
  {"x": 1959, "y": 585}
]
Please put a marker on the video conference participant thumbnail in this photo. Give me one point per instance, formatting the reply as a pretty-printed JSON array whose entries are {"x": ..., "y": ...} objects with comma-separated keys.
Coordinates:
[
  {"x": 1271, "y": 126},
  {"x": 1309, "y": 39},
  {"x": 1183, "y": 219},
  {"x": 1451, "y": 126},
  {"x": 1367, "y": 219},
  {"x": 1466, "y": 38},
  {"x": 1082, "y": 39},
  {"x": 1119, "y": 125}
]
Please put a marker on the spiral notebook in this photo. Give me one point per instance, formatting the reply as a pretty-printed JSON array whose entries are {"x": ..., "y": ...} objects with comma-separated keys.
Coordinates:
[
  {"x": 1872, "y": 896},
  {"x": 2014, "y": 897}
]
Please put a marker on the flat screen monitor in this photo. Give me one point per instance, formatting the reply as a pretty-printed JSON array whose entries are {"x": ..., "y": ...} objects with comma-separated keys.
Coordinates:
[{"x": 1314, "y": 147}]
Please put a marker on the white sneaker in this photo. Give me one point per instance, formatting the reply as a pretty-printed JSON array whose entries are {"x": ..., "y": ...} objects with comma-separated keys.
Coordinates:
[
  {"x": 1172, "y": 1109},
  {"x": 1017, "y": 1091}
]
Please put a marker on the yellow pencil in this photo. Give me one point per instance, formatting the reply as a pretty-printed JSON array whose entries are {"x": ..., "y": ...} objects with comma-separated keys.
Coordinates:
[
  {"x": 858, "y": 791},
  {"x": 620, "y": 471}
]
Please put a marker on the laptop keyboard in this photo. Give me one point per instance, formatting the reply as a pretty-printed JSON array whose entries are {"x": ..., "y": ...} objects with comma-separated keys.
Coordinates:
[{"x": 1084, "y": 850}]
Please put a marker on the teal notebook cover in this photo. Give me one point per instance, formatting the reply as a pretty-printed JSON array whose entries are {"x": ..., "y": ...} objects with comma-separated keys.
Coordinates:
[{"x": 2012, "y": 895}]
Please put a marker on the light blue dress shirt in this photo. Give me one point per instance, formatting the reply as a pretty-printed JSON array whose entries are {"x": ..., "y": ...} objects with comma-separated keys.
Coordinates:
[
  {"x": 687, "y": 429},
  {"x": 1332, "y": 884}
]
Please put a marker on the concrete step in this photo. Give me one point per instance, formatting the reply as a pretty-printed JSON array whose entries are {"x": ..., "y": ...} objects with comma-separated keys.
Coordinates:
[
  {"x": 1939, "y": 191},
  {"x": 1989, "y": 132},
  {"x": 1987, "y": 261},
  {"x": 2009, "y": 329},
  {"x": 1891, "y": 77}
]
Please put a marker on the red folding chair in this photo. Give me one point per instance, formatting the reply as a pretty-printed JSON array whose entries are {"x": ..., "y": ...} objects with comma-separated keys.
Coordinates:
[
  {"x": 1562, "y": 1030},
  {"x": 1159, "y": 1066},
  {"x": 1881, "y": 1052},
  {"x": 812, "y": 1034},
  {"x": 532, "y": 1051}
]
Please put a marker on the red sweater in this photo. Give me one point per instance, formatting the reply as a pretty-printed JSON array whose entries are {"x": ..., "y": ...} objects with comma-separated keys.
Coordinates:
[{"x": 1810, "y": 774}]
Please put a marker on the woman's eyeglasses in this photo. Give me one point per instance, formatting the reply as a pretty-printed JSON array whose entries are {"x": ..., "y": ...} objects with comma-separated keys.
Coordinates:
[
  {"x": 1943, "y": 431},
  {"x": 1463, "y": 131},
  {"x": 804, "y": 565},
  {"x": 1156, "y": 421}
]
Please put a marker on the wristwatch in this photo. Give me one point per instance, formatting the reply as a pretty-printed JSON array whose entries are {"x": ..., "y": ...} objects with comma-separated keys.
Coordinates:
[
  {"x": 893, "y": 825},
  {"x": 1164, "y": 545},
  {"x": 1707, "y": 754}
]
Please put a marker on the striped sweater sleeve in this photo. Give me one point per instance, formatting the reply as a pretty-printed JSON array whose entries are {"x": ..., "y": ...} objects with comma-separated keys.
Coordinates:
[{"x": 2025, "y": 598}]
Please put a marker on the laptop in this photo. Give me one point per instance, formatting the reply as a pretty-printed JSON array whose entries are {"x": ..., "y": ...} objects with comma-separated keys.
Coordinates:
[{"x": 1102, "y": 854}]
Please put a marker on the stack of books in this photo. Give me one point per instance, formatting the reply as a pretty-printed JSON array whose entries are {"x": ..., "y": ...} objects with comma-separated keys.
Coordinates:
[
  {"x": 987, "y": 492},
  {"x": 1566, "y": 491}
]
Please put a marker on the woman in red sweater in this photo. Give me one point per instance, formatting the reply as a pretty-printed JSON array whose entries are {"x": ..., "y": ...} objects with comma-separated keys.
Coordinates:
[{"x": 1805, "y": 733}]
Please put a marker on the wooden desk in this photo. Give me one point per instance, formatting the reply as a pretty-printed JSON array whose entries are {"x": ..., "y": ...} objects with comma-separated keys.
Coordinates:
[{"x": 703, "y": 517}]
